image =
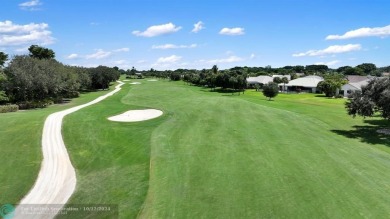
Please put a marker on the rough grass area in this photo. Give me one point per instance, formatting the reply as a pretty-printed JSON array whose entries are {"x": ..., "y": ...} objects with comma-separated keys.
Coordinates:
[{"x": 20, "y": 146}]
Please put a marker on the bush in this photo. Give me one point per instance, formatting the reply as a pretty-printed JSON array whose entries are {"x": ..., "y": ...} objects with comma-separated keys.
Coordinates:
[
  {"x": 35, "y": 104},
  {"x": 71, "y": 94},
  {"x": 9, "y": 108}
]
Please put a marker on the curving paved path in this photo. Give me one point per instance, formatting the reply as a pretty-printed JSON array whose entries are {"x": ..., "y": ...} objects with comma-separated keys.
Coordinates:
[{"x": 57, "y": 178}]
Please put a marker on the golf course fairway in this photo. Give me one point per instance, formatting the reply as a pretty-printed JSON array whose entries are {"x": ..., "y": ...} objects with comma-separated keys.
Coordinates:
[{"x": 217, "y": 155}]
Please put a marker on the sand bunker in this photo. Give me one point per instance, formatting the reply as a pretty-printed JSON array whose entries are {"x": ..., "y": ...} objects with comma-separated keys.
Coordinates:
[
  {"x": 135, "y": 83},
  {"x": 153, "y": 80},
  {"x": 126, "y": 80},
  {"x": 136, "y": 115}
]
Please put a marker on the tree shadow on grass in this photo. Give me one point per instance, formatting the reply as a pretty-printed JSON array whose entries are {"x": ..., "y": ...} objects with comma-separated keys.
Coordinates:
[
  {"x": 368, "y": 133},
  {"x": 224, "y": 92}
]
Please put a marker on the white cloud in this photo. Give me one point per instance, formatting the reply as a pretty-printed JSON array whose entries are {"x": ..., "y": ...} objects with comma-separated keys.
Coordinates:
[
  {"x": 331, "y": 63},
  {"x": 121, "y": 50},
  {"x": 173, "y": 46},
  {"x": 72, "y": 56},
  {"x": 198, "y": 27},
  {"x": 169, "y": 62},
  {"x": 141, "y": 61},
  {"x": 169, "y": 59},
  {"x": 232, "y": 31},
  {"x": 157, "y": 30},
  {"x": 119, "y": 62},
  {"x": 252, "y": 56},
  {"x": 230, "y": 59},
  {"x": 362, "y": 32},
  {"x": 30, "y": 5},
  {"x": 99, "y": 54},
  {"x": 15, "y": 35},
  {"x": 330, "y": 50}
]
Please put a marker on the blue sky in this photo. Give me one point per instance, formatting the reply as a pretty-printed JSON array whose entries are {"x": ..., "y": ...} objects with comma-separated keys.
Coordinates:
[{"x": 198, "y": 34}]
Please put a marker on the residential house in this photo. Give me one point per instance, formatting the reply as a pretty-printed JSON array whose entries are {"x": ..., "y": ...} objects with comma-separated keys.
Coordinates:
[{"x": 304, "y": 84}]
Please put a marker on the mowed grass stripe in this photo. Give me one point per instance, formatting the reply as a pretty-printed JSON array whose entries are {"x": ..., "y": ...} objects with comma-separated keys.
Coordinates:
[
  {"x": 258, "y": 158},
  {"x": 216, "y": 156}
]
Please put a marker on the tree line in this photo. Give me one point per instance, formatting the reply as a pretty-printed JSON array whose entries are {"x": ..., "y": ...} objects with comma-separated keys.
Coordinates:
[
  {"x": 294, "y": 71},
  {"x": 38, "y": 79}
]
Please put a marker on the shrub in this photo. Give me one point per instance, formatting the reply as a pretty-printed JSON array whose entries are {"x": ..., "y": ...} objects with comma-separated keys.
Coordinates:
[
  {"x": 35, "y": 104},
  {"x": 9, "y": 108}
]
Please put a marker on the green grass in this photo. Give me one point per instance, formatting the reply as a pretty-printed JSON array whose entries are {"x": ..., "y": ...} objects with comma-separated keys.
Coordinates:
[
  {"x": 20, "y": 146},
  {"x": 214, "y": 155}
]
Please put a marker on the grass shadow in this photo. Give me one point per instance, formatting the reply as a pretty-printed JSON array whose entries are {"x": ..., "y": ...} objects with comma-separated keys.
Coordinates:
[
  {"x": 368, "y": 133},
  {"x": 224, "y": 92}
]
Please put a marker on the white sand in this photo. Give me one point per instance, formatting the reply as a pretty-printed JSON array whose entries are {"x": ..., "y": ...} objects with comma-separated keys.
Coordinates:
[
  {"x": 153, "y": 80},
  {"x": 56, "y": 180},
  {"x": 136, "y": 115},
  {"x": 126, "y": 80},
  {"x": 135, "y": 83}
]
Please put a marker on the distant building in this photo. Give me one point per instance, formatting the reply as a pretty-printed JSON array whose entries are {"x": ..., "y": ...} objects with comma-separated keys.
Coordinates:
[
  {"x": 355, "y": 83},
  {"x": 304, "y": 84},
  {"x": 357, "y": 78},
  {"x": 260, "y": 80}
]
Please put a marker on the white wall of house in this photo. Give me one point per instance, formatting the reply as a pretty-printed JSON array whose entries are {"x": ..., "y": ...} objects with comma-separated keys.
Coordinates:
[{"x": 348, "y": 89}]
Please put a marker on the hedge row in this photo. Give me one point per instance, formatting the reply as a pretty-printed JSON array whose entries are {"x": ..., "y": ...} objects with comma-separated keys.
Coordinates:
[
  {"x": 36, "y": 104},
  {"x": 9, "y": 108}
]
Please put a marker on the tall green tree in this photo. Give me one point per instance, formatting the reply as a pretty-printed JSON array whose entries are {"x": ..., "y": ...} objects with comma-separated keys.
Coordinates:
[
  {"x": 311, "y": 69},
  {"x": 214, "y": 69},
  {"x": 331, "y": 84},
  {"x": 374, "y": 98},
  {"x": 41, "y": 52},
  {"x": 102, "y": 76},
  {"x": 3, "y": 58},
  {"x": 277, "y": 80},
  {"x": 3, "y": 96},
  {"x": 284, "y": 81},
  {"x": 367, "y": 68},
  {"x": 271, "y": 90}
]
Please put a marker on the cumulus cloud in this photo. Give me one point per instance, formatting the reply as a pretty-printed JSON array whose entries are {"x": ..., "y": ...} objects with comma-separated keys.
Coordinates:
[
  {"x": 230, "y": 59},
  {"x": 169, "y": 59},
  {"x": 232, "y": 31},
  {"x": 157, "y": 30},
  {"x": 121, "y": 50},
  {"x": 30, "y": 5},
  {"x": 330, "y": 50},
  {"x": 99, "y": 54},
  {"x": 198, "y": 27},
  {"x": 362, "y": 32},
  {"x": 169, "y": 62},
  {"x": 173, "y": 46},
  {"x": 72, "y": 56},
  {"x": 15, "y": 35}
]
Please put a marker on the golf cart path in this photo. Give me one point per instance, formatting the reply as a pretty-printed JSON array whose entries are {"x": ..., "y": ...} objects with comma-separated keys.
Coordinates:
[{"x": 57, "y": 178}]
